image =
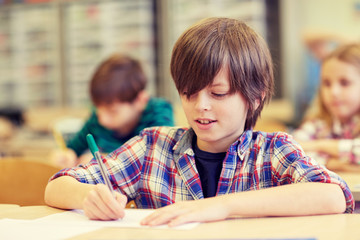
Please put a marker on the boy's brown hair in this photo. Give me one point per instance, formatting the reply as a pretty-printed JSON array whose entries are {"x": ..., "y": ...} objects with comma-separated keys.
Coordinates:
[
  {"x": 213, "y": 43},
  {"x": 118, "y": 78}
]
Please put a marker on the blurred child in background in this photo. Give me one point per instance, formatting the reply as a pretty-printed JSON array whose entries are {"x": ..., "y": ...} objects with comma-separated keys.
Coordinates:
[
  {"x": 331, "y": 129},
  {"x": 122, "y": 109},
  {"x": 318, "y": 44}
]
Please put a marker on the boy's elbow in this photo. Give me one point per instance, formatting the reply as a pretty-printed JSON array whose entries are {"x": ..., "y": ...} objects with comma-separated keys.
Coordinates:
[
  {"x": 47, "y": 194},
  {"x": 338, "y": 206},
  {"x": 337, "y": 201},
  {"x": 50, "y": 194}
]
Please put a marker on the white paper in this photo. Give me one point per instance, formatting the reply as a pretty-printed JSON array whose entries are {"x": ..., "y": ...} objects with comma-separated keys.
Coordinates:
[
  {"x": 71, "y": 223},
  {"x": 132, "y": 219}
]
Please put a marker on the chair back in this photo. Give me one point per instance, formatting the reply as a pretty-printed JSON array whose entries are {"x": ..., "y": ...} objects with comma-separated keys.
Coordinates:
[{"x": 23, "y": 182}]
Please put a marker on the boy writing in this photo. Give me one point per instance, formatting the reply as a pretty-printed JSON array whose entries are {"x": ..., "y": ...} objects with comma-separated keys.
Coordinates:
[
  {"x": 123, "y": 109},
  {"x": 223, "y": 72}
]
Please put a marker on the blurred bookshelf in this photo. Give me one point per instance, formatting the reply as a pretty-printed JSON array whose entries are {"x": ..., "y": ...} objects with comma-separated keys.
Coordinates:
[
  {"x": 92, "y": 30},
  {"x": 29, "y": 55},
  {"x": 50, "y": 49}
]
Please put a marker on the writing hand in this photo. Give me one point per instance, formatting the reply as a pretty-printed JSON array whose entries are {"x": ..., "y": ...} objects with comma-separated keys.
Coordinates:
[{"x": 100, "y": 204}]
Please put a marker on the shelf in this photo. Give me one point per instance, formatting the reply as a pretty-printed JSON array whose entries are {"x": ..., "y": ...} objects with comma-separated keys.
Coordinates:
[{"x": 49, "y": 51}]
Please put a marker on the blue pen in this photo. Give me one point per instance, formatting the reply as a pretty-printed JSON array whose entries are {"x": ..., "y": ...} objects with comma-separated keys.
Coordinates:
[{"x": 95, "y": 152}]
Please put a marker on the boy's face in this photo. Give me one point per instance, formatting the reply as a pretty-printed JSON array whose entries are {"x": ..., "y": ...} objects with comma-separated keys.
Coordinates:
[
  {"x": 340, "y": 86},
  {"x": 117, "y": 116},
  {"x": 217, "y": 117}
]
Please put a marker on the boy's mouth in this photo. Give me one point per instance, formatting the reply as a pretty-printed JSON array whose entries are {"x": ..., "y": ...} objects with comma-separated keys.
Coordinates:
[{"x": 205, "y": 121}]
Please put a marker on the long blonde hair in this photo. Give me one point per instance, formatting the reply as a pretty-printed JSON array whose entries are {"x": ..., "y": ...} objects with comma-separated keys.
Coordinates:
[{"x": 350, "y": 54}]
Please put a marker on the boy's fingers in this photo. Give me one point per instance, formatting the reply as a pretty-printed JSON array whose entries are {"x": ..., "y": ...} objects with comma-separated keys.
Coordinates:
[
  {"x": 182, "y": 219},
  {"x": 121, "y": 199},
  {"x": 152, "y": 217},
  {"x": 110, "y": 206},
  {"x": 92, "y": 210},
  {"x": 163, "y": 218},
  {"x": 164, "y": 215},
  {"x": 96, "y": 214},
  {"x": 100, "y": 204}
]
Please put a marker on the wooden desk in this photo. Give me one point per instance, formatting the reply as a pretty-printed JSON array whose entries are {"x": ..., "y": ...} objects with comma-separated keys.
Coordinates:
[
  {"x": 340, "y": 226},
  {"x": 8, "y": 206}
]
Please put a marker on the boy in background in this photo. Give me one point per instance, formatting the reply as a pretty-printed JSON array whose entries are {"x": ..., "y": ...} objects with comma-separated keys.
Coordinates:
[{"x": 122, "y": 109}]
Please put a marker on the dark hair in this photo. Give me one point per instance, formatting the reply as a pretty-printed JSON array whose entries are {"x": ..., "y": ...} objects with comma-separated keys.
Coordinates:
[
  {"x": 213, "y": 43},
  {"x": 118, "y": 78}
]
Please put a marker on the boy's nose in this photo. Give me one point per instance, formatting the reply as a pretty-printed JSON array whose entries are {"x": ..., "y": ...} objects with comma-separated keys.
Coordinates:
[
  {"x": 104, "y": 119},
  {"x": 203, "y": 101}
]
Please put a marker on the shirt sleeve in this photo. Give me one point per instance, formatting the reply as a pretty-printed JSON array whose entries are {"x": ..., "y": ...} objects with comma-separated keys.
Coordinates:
[
  {"x": 123, "y": 165},
  {"x": 291, "y": 164}
]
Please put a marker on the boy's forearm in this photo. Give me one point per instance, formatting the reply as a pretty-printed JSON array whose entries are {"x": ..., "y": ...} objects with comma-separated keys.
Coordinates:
[
  {"x": 66, "y": 192},
  {"x": 289, "y": 200}
]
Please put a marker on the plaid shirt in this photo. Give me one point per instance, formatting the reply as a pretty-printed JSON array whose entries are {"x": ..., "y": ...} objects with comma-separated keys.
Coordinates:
[
  {"x": 349, "y": 139},
  {"x": 157, "y": 168}
]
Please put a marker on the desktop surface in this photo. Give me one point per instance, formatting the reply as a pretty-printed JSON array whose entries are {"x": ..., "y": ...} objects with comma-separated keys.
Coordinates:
[{"x": 337, "y": 226}]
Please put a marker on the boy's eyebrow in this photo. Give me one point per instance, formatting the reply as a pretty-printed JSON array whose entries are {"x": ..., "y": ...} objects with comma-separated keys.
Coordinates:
[{"x": 221, "y": 84}]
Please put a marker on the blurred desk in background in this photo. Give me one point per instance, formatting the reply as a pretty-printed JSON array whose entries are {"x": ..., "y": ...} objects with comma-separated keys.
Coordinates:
[
  {"x": 34, "y": 139},
  {"x": 42, "y": 119},
  {"x": 28, "y": 144},
  {"x": 281, "y": 110},
  {"x": 275, "y": 116}
]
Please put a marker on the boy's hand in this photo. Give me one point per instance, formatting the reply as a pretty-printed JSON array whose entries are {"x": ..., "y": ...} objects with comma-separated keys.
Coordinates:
[
  {"x": 204, "y": 210},
  {"x": 100, "y": 204},
  {"x": 63, "y": 158}
]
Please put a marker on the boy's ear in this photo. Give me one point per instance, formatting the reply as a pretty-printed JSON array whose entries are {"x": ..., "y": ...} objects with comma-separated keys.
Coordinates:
[
  {"x": 141, "y": 100},
  {"x": 258, "y": 101}
]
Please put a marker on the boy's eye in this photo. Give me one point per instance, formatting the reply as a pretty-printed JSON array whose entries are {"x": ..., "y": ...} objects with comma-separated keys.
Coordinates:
[{"x": 219, "y": 95}]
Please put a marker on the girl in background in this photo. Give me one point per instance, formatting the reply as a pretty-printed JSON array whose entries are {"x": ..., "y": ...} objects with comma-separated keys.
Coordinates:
[{"x": 331, "y": 128}]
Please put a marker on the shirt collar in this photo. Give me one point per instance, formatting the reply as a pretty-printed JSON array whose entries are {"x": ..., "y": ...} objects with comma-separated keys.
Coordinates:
[
  {"x": 243, "y": 144},
  {"x": 240, "y": 146},
  {"x": 183, "y": 146}
]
